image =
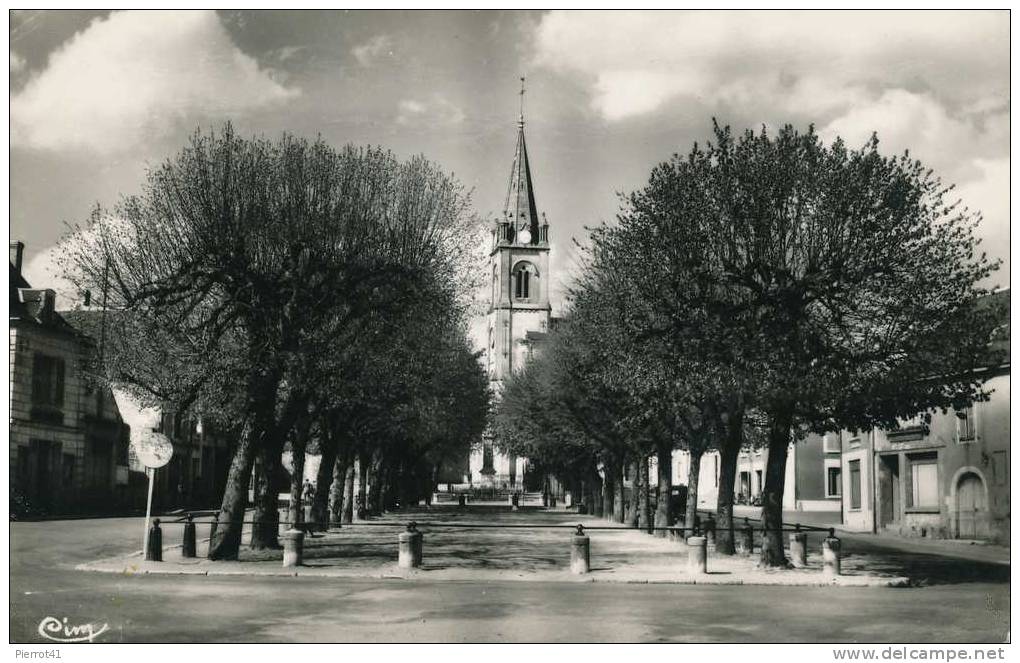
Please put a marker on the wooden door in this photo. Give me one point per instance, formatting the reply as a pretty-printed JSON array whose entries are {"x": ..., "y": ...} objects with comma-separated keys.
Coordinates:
[{"x": 970, "y": 506}]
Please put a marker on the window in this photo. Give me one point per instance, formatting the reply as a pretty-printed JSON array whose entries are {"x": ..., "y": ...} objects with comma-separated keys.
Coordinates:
[
  {"x": 525, "y": 280},
  {"x": 924, "y": 483},
  {"x": 965, "y": 424},
  {"x": 1000, "y": 468},
  {"x": 833, "y": 484},
  {"x": 855, "y": 484},
  {"x": 47, "y": 388},
  {"x": 522, "y": 284},
  {"x": 830, "y": 443},
  {"x": 68, "y": 470},
  {"x": 22, "y": 479}
]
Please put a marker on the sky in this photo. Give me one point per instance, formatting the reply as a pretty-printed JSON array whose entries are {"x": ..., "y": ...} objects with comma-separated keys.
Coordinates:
[{"x": 97, "y": 98}]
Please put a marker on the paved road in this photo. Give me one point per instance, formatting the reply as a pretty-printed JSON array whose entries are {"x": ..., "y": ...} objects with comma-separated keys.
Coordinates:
[{"x": 965, "y": 607}]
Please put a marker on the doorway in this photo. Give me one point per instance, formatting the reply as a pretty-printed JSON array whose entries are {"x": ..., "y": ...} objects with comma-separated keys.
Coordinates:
[
  {"x": 889, "y": 490},
  {"x": 971, "y": 507}
]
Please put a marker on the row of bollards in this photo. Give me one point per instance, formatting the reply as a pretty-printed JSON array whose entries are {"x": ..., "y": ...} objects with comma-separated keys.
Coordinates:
[{"x": 410, "y": 547}]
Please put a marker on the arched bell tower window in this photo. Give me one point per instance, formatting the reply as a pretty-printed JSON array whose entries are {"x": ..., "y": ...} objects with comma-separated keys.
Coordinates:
[{"x": 525, "y": 280}]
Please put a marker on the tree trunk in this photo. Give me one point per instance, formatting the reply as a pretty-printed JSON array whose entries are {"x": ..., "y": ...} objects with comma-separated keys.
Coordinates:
[
  {"x": 299, "y": 443},
  {"x": 361, "y": 503},
  {"x": 664, "y": 460},
  {"x": 608, "y": 492},
  {"x": 772, "y": 553},
  {"x": 337, "y": 487},
  {"x": 619, "y": 508},
  {"x": 375, "y": 487},
  {"x": 634, "y": 503},
  {"x": 731, "y": 442},
  {"x": 266, "y": 516},
  {"x": 348, "y": 508},
  {"x": 225, "y": 542},
  {"x": 693, "y": 474},
  {"x": 320, "y": 517},
  {"x": 644, "y": 495},
  {"x": 594, "y": 494}
]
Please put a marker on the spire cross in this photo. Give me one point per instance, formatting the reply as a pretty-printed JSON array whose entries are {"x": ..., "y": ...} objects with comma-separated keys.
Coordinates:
[{"x": 522, "y": 100}]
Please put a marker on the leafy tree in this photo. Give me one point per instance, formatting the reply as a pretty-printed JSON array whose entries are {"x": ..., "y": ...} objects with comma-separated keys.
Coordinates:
[
  {"x": 829, "y": 283},
  {"x": 259, "y": 254}
]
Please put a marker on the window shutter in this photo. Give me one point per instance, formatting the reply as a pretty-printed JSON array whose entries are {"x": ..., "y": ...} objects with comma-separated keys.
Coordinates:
[
  {"x": 58, "y": 395},
  {"x": 39, "y": 379}
]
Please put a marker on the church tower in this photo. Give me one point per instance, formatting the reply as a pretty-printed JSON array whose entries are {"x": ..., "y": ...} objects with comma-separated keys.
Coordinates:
[{"x": 519, "y": 299}]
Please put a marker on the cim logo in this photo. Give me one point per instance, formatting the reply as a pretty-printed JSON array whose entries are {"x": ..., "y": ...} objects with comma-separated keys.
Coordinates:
[{"x": 58, "y": 630}]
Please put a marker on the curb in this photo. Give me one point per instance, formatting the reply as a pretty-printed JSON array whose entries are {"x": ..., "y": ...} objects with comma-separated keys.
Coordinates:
[{"x": 845, "y": 580}]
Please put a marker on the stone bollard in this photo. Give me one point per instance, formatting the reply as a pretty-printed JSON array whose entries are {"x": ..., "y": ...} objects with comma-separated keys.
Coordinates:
[
  {"x": 188, "y": 547},
  {"x": 745, "y": 542},
  {"x": 798, "y": 548},
  {"x": 409, "y": 547},
  {"x": 580, "y": 558},
  {"x": 154, "y": 551},
  {"x": 697, "y": 555},
  {"x": 830, "y": 554},
  {"x": 293, "y": 547}
]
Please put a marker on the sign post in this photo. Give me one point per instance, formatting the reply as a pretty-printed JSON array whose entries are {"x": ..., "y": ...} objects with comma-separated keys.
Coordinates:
[{"x": 154, "y": 450}]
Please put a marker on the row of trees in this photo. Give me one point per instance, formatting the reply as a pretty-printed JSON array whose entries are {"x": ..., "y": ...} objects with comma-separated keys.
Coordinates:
[
  {"x": 304, "y": 298},
  {"x": 758, "y": 288}
]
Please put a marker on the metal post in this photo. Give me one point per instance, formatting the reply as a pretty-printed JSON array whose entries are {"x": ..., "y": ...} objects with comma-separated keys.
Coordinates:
[
  {"x": 150, "y": 472},
  {"x": 154, "y": 544},
  {"x": 188, "y": 547}
]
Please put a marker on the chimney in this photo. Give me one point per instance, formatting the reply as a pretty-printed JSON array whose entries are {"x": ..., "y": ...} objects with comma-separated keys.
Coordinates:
[
  {"x": 39, "y": 303},
  {"x": 17, "y": 251}
]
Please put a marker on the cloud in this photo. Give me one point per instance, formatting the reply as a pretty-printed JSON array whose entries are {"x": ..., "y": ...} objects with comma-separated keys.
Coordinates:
[
  {"x": 438, "y": 111},
  {"x": 17, "y": 63},
  {"x": 134, "y": 76},
  {"x": 933, "y": 82},
  {"x": 917, "y": 122},
  {"x": 989, "y": 193},
  {"x": 372, "y": 50},
  {"x": 635, "y": 62}
]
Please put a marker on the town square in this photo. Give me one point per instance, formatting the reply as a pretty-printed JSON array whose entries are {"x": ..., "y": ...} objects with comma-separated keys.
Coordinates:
[{"x": 510, "y": 326}]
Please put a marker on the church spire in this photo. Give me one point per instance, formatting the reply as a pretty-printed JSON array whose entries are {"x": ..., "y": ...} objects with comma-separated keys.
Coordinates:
[{"x": 520, "y": 211}]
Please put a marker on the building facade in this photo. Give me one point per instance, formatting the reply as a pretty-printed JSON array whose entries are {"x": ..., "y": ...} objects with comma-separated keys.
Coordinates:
[
  {"x": 811, "y": 483},
  {"x": 519, "y": 307},
  {"x": 947, "y": 477},
  {"x": 68, "y": 443}
]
